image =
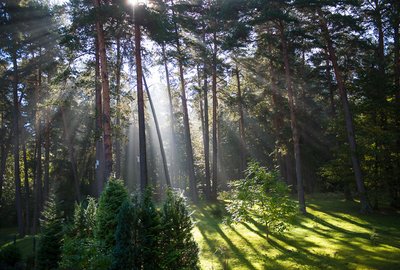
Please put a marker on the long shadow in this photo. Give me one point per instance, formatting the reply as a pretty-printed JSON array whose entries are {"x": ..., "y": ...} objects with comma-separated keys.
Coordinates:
[
  {"x": 217, "y": 229},
  {"x": 244, "y": 239}
]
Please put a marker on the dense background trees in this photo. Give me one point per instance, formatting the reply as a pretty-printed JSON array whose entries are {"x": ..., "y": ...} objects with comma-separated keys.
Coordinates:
[{"x": 310, "y": 88}]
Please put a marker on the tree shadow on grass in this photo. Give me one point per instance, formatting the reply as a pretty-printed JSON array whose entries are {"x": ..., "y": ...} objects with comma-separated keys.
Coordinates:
[{"x": 212, "y": 226}]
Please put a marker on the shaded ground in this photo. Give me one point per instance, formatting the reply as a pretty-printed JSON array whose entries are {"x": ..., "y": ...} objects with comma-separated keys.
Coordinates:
[{"x": 332, "y": 236}]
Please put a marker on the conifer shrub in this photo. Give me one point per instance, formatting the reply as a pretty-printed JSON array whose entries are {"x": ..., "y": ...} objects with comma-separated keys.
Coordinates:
[
  {"x": 126, "y": 254},
  {"x": 180, "y": 251},
  {"x": 10, "y": 258},
  {"x": 50, "y": 241},
  {"x": 110, "y": 202}
]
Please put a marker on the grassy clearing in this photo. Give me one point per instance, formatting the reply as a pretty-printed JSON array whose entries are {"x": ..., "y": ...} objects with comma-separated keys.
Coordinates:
[{"x": 332, "y": 236}]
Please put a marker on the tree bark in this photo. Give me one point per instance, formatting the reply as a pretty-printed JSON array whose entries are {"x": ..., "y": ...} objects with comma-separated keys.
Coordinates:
[
  {"x": 365, "y": 206},
  {"x": 293, "y": 121},
  {"x": 106, "y": 97},
  {"x": 188, "y": 139},
  {"x": 46, "y": 189},
  {"x": 142, "y": 124},
  {"x": 4, "y": 148},
  {"x": 16, "y": 116},
  {"x": 99, "y": 166},
  {"x": 118, "y": 121}
]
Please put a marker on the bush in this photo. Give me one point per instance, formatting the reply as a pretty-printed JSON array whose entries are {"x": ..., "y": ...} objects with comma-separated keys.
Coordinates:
[
  {"x": 263, "y": 192},
  {"x": 49, "y": 249},
  {"x": 10, "y": 257},
  {"x": 180, "y": 251}
]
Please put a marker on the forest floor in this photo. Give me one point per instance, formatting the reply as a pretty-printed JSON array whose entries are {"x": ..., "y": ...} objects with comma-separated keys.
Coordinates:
[{"x": 333, "y": 235}]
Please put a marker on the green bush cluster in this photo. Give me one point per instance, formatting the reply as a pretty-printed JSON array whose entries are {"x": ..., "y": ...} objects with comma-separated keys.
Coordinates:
[{"x": 120, "y": 232}]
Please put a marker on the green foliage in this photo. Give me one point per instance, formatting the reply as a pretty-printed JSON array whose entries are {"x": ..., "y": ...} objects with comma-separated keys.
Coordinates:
[
  {"x": 109, "y": 204},
  {"x": 180, "y": 251},
  {"x": 10, "y": 257},
  {"x": 261, "y": 192},
  {"x": 150, "y": 232},
  {"x": 126, "y": 254},
  {"x": 50, "y": 242},
  {"x": 79, "y": 250}
]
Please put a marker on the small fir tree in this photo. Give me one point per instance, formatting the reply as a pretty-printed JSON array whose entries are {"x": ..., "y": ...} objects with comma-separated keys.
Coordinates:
[
  {"x": 109, "y": 205},
  {"x": 150, "y": 233},
  {"x": 49, "y": 249},
  {"x": 180, "y": 251},
  {"x": 126, "y": 254}
]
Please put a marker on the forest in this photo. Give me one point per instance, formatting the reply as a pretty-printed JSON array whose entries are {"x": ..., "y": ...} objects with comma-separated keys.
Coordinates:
[{"x": 199, "y": 134}]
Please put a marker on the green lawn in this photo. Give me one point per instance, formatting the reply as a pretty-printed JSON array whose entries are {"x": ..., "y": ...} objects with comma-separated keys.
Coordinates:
[{"x": 332, "y": 236}]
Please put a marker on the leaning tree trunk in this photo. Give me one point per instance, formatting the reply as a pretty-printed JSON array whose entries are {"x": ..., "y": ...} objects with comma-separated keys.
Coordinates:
[
  {"x": 186, "y": 125},
  {"x": 172, "y": 170},
  {"x": 293, "y": 121},
  {"x": 106, "y": 97},
  {"x": 365, "y": 206},
  {"x": 160, "y": 141},
  {"x": 17, "y": 176}
]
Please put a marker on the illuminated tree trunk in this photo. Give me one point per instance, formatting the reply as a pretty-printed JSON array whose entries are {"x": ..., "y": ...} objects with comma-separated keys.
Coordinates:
[
  {"x": 365, "y": 206},
  {"x": 160, "y": 141},
  {"x": 106, "y": 97},
  {"x": 188, "y": 139},
  {"x": 26, "y": 186},
  {"x": 293, "y": 121}
]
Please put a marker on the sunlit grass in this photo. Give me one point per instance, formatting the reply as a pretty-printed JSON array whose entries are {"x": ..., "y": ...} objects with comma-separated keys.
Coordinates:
[{"x": 332, "y": 236}]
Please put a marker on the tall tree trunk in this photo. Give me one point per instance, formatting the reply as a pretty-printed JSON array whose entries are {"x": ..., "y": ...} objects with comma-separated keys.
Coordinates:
[
  {"x": 160, "y": 141},
  {"x": 188, "y": 139},
  {"x": 118, "y": 121},
  {"x": 206, "y": 126},
  {"x": 99, "y": 166},
  {"x": 172, "y": 170},
  {"x": 215, "y": 119},
  {"x": 243, "y": 150},
  {"x": 71, "y": 154},
  {"x": 17, "y": 176},
  {"x": 106, "y": 97},
  {"x": 365, "y": 206},
  {"x": 142, "y": 124},
  {"x": 38, "y": 158},
  {"x": 293, "y": 121},
  {"x": 4, "y": 148}
]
